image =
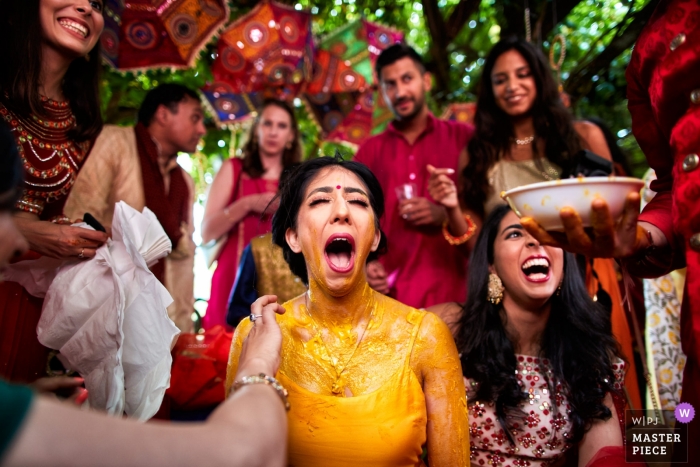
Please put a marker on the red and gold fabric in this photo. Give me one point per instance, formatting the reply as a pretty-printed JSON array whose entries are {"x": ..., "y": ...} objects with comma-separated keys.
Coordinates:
[
  {"x": 51, "y": 161},
  {"x": 664, "y": 100},
  {"x": 271, "y": 46},
  {"x": 142, "y": 34}
]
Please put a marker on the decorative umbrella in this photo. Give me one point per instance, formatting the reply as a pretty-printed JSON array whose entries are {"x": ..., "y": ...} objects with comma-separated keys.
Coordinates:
[
  {"x": 141, "y": 34},
  {"x": 342, "y": 96},
  {"x": 271, "y": 46},
  {"x": 228, "y": 107},
  {"x": 461, "y": 112},
  {"x": 349, "y": 117}
]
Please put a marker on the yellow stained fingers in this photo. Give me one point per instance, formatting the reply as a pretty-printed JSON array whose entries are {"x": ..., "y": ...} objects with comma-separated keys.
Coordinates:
[{"x": 536, "y": 230}]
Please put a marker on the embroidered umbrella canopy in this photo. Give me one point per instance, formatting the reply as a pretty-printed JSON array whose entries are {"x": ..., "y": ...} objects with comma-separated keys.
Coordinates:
[
  {"x": 343, "y": 96},
  {"x": 349, "y": 117},
  {"x": 269, "y": 47},
  {"x": 142, "y": 34},
  {"x": 461, "y": 112}
]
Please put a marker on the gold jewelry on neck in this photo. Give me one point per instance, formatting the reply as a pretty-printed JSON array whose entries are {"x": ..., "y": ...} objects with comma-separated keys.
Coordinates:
[
  {"x": 525, "y": 141},
  {"x": 337, "y": 387}
]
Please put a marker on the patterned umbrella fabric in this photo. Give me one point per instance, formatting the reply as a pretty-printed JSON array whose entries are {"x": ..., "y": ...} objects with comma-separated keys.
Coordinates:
[
  {"x": 269, "y": 47},
  {"x": 229, "y": 108},
  {"x": 342, "y": 95},
  {"x": 462, "y": 112},
  {"x": 349, "y": 117},
  {"x": 143, "y": 34}
]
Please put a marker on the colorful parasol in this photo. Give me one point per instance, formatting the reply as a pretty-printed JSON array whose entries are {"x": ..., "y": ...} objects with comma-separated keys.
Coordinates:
[
  {"x": 228, "y": 107},
  {"x": 271, "y": 46},
  {"x": 343, "y": 96},
  {"x": 461, "y": 112},
  {"x": 142, "y": 34},
  {"x": 349, "y": 117}
]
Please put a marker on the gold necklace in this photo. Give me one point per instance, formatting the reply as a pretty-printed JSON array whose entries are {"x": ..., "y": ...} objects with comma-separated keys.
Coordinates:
[{"x": 337, "y": 387}]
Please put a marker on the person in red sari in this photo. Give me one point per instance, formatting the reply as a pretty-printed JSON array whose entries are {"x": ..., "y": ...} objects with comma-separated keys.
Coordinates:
[
  {"x": 237, "y": 204},
  {"x": 664, "y": 101},
  {"x": 49, "y": 98}
]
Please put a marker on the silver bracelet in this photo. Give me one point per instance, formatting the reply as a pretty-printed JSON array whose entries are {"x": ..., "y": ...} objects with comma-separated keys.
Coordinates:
[{"x": 262, "y": 378}]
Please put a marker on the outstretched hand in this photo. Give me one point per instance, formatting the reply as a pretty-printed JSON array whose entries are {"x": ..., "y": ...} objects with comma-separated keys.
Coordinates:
[
  {"x": 604, "y": 239},
  {"x": 261, "y": 349}
]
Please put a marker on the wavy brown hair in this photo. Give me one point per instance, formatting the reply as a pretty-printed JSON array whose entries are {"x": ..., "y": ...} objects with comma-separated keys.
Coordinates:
[
  {"x": 252, "y": 164},
  {"x": 21, "y": 57},
  {"x": 494, "y": 131}
]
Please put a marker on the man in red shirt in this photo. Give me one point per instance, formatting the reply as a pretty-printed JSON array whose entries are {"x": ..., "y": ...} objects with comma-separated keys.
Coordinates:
[{"x": 421, "y": 268}]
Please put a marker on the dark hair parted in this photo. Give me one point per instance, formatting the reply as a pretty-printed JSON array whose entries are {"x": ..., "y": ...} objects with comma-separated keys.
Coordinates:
[
  {"x": 396, "y": 52},
  {"x": 577, "y": 340},
  {"x": 20, "y": 73},
  {"x": 494, "y": 132},
  {"x": 291, "y": 196},
  {"x": 168, "y": 95},
  {"x": 252, "y": 164}
]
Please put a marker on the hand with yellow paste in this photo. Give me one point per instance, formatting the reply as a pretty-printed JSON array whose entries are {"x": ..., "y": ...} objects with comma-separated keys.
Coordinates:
[{"x": 370, "y": 381}]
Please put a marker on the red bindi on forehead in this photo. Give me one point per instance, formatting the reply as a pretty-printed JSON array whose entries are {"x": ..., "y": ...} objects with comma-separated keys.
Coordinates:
[{"x": 338, "y": 187}]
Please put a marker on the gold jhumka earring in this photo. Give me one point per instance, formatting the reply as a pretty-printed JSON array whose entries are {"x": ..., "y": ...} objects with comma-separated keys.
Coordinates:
[{"x": 495, "y": 293}]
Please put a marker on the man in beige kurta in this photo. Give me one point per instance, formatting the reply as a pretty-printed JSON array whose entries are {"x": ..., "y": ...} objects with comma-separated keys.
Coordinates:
[{"x": 111, "y": 174}]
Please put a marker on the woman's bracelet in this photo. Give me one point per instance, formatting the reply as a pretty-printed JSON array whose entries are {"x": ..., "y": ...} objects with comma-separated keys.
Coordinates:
[
  {"x": 454, "y": 241},
  {"x": 262, "y": 378}
]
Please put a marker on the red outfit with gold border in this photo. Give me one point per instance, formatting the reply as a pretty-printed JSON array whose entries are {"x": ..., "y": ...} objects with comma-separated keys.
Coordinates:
[
  {"x": 51, "y": 163},
  {"x": 664, "y": 100}
]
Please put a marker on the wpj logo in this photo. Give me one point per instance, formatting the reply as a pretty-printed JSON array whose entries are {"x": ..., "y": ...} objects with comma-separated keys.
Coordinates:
[{"x": 658, "y": 436}]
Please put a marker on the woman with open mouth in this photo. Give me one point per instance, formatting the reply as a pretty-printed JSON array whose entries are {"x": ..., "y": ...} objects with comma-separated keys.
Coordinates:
[
  {"x": 370, "y": 381},
  {"x": 541, "y": 366}
]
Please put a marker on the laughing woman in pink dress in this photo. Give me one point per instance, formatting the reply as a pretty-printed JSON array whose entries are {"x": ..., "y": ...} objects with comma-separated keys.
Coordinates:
[
  {"x": 541, "y": 366},
  {"x": 243, "y": 188}
]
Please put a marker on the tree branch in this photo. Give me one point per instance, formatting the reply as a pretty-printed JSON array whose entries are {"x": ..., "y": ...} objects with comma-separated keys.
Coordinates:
[
  {"x": 440, "y": 65},
  {"x": 580, "y": 80},
  {"x": 459, "y": 16}
]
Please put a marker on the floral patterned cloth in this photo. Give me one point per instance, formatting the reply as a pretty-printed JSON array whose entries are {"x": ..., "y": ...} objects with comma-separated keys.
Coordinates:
[
  {"x": 665, "y": 357},
  {"x": 541, "y": 437}
]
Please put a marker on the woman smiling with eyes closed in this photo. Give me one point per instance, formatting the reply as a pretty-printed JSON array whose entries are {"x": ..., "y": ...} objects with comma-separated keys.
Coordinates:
[{"x": 370, "y": 381}]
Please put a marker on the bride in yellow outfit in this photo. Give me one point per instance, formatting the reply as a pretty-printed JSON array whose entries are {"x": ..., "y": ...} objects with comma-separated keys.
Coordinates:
[{"x": 371, "y": 381}]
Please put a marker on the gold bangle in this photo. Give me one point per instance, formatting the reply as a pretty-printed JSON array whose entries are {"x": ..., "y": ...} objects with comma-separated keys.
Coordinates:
[
  {"x": 454, "y": 241},
  {"x": 262, "y": 378}
]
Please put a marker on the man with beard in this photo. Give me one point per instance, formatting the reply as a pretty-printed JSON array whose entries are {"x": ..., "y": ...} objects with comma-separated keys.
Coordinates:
[
  {"x": 421, "y": 268},
  {"x": 138, "y": 165}
]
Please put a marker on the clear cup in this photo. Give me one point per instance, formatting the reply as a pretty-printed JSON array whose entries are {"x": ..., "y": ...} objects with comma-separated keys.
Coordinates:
[{"x": 406, "y": 191}]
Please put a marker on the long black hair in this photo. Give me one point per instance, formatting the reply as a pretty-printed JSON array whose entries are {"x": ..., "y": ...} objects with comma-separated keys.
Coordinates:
[
  {"x": 291, "y": 195},
  {"x": 577, "y": 340},
  {"x": 494, "y": 133},
  {"x": 252, "y": 164},
  {"x": 20, "y": 73}
]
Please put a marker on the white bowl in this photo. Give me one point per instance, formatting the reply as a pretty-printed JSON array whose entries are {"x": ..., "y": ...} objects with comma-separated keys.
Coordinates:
[{"x": 543, "y": 201}]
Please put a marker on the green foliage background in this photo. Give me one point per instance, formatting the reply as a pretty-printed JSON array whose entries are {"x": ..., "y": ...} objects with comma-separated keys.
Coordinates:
[{"x": 588, "y": 29}]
